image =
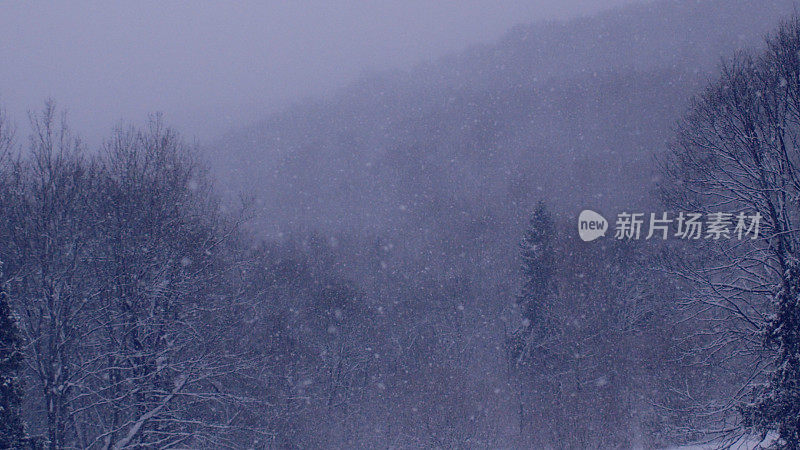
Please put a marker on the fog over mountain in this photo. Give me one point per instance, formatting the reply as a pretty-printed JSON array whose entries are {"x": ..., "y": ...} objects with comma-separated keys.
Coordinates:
[
  {"x": 214, "y": 66},
  {"x": 593, "y": 97}
]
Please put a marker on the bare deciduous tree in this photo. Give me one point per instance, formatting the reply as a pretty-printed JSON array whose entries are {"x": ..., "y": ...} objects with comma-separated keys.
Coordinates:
[
  {"x": 121, "y": 266},
  {"x": 737, "y": 151}
]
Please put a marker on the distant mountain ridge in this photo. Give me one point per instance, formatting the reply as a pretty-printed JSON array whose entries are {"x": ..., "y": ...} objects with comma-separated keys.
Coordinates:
[{"x": 568, "y": 110}]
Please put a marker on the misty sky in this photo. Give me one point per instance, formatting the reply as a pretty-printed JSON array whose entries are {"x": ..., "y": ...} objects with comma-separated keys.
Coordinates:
[{"x": 211, "y": 66}]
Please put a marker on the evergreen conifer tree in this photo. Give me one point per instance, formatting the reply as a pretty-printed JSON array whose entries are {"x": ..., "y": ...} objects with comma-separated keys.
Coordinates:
[{"x": 12, "y": 433}]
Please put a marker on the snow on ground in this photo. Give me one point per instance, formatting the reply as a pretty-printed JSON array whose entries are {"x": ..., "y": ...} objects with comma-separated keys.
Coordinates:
[{"x": 743, "y": 443}]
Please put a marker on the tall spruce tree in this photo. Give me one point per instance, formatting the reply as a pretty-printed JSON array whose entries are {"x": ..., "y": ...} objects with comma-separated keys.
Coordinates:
[
  {"x": 777, "y": 402},
  {"x": 12, "y": 433},
  {"x": 537, "y": 267},
  {"x": 526, "y": 347}
]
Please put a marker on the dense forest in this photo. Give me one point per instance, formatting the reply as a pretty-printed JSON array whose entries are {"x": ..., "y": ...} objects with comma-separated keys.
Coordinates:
[{"x": 399, "y": 265}]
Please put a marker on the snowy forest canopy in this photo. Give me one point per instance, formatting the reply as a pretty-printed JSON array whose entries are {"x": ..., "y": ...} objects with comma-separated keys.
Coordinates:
[{"x": 399, "y": 265}]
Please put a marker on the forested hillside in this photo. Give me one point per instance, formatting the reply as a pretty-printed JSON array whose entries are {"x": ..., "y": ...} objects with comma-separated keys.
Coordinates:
[{"x": 440, "y": 167}]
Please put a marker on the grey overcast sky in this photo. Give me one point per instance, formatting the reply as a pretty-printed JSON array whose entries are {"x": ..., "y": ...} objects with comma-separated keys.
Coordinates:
[{"x": 210, "y": 66}]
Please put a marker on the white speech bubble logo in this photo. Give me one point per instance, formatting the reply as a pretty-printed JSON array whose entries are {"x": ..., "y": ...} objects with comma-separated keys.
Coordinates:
[{"x": 591, "y": 225}]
